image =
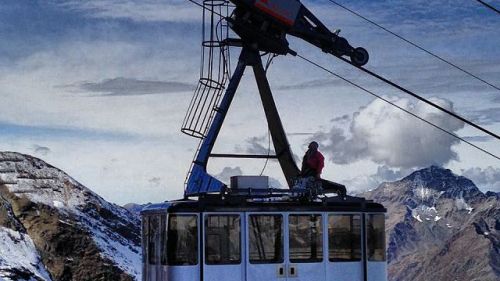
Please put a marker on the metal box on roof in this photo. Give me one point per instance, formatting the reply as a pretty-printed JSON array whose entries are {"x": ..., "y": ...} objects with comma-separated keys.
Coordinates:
[{"x": 245, "y": 182}]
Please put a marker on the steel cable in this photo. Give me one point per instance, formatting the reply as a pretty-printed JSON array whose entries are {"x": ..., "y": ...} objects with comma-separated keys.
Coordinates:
[
  {"x": 489, "y": 6},
  {"x": 416, "y": 46},
  {"x": 397, "y": 106}
]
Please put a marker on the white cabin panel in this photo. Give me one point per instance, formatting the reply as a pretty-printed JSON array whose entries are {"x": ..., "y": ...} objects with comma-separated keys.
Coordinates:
[
  {"x": 345, "y": 271},
  {"x": 377, "y": 271},
  {"x": 174, "y": 273}
]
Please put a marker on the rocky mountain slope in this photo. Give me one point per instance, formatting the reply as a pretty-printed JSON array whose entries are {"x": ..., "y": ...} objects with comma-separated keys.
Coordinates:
[
  {"x": 54, "y": 228},
  {"x": 440, "y": 226}
]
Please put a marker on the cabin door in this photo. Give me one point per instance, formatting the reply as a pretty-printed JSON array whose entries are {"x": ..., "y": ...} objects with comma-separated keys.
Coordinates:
[
  {"x": 345, "y": 247},
  {"x": 265, "y": 252},
  {"x": 223, "y": 236},
  {"x": 305, "y": 247}
]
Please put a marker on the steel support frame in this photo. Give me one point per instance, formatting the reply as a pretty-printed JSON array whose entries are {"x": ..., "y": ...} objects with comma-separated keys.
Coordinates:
[{"x": 199, "y": 181}]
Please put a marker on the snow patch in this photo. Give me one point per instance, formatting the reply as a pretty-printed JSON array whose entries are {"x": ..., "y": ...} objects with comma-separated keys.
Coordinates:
[
  {"x": 426, "y": 212},
  {"x": 417, "y": 217},
  {"x": 462, "y": 205},
  {"x": 58, "y": 204},
  {"x": 18, "y": 252}
]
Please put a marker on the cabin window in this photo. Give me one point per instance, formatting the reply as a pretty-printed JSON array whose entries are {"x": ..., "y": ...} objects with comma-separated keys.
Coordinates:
[
  {"x": 152, "y": 237},
  {"x": 145, "y": 238},
  {"x": 306, "y": 238},
  {"x": 182, "y": 240},
  {"x": 344, "y": 237},
  {"x": 375, "y": 231},
  {"x": 163, "y": 239},
  {"x": 222, "y": 239},
  {"x": 266, "y": 238}
]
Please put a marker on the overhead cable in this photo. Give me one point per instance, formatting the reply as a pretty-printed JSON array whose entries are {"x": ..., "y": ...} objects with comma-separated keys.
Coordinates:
[
  {"x": 404, "y": 90},
  {"x": 489, "y": 6},
  {"x": 417, "y": 46},
  {"x": 422, "y": 99},
  {"x": 397, "y": 106}
]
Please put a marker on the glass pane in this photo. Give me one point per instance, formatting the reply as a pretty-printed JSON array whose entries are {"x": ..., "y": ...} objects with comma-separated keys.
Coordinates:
[
  {"x": 182, "y": 241},
  {"x": 375, "y": 231},
  {"x": 306, "y": 238},
  {"x": 145, "y": 238},
  {"x": 222, "y": 239},
  {"x": 344, "y": 237},
  {"x": 266, "y": 238},
  {"x": 163, "y": 241},
  {"x": 153, "y": 239}
]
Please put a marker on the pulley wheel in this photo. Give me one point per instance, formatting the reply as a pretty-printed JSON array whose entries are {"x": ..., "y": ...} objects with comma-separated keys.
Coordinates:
[{"x": 359, "y": 56}]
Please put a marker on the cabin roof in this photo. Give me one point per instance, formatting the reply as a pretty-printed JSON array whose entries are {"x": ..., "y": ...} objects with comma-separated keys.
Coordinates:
[{"x": 351, "y": 204}]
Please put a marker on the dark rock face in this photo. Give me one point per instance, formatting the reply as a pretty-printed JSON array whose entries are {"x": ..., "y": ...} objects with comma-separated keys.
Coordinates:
[
  {"x": 72, "y": 233},
  {"x": 440, "y": 226}
]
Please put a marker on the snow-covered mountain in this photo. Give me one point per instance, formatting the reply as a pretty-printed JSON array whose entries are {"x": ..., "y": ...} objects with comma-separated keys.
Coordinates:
[
  {"x": 54, "y": 228},
  {"x": 440, "y": 226}
]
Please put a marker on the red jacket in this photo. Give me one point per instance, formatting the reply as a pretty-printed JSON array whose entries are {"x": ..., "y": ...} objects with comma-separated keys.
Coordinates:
[{"x": 316, "y": 162}]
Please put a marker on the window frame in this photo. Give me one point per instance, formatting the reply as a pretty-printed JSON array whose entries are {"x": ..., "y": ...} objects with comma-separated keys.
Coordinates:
[
  {"x": 321, "y": 220},
  {"x": 241, "y": 232},
  {"x": 152, "y": 257},
  {"x": 283, "y": 230},
  {"x": 367, "y": 235},
  {"x": 197, "y": 255},
  {"x": 145, "y": 239},
  {"x": 361, "y": 241}
]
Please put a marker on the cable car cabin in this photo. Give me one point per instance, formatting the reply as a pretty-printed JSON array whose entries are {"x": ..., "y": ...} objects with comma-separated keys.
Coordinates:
[{"x": 251, "y": 239}]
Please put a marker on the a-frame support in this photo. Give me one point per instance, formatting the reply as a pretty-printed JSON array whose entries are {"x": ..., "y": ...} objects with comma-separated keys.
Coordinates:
[{"x": 199, "y": 181}]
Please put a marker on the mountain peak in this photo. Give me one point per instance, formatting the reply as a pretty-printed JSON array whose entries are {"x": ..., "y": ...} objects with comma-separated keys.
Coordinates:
[
  {"x": 66, "y": 227},
  {"x": 444, "y": 181}
]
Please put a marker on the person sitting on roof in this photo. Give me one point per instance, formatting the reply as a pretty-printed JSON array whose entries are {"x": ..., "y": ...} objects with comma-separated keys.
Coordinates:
[{"x": 313, "y": 162}]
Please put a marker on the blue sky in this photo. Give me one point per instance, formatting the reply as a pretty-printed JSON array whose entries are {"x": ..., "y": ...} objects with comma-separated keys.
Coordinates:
[{"x": 99, "y": 88}]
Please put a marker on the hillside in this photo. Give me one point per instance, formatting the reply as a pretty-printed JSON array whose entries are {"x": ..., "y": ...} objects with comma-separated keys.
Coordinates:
[
  {"x": 54, "y": 228},
  {"x": 440, "y": 226}
]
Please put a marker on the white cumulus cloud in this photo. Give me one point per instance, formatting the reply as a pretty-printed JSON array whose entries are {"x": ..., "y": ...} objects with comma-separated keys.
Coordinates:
[
  {"x": 388, "y": 136},
  {"x": 486, "y": 178},
  {"x": 146, "y": 10}
]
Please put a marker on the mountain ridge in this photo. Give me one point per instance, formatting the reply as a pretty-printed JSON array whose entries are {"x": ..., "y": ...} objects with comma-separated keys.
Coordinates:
[
  {"x": 432, "y": 216},
  {"x": 72, "y": 233}
]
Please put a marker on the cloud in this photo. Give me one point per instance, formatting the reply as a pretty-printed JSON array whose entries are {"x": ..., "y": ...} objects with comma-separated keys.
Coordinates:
[
  {"x": 226, "y": 174},
  {"x": 388, "y": 136},
  {"x": 132, "y": 87},
  {"x": 155, "y": 181},
  {"x": 41, "y": 150},
  {"x": 487, "y": 116},
  {"x": 312, "y": 84},
  {"x": 486, "y": 178},
  {"x": 140, "y": 11},
  {"x": 479, "y": 138},
  {"x": 262, "y": 146},
  {"x": 384, "y": 173},
  {"x": 256, "y": 145}
]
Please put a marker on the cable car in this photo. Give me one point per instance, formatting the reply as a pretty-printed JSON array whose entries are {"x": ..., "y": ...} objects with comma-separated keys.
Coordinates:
[
  {"x": 253, "y": 234},
  {"x": 248, "y": 231}
]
